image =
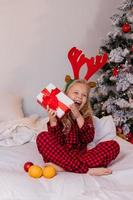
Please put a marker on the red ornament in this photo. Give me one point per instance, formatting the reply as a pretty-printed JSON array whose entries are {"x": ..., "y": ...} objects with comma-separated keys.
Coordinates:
[
  {"x": 115, "y": 71},
  {"x": 131, "y": 49},
  {"x": 129, "y": 137},
  {"x": 27, "y": 165},
  {"x": 126, "y": 28},
  {"x": 131, "y": 140}
]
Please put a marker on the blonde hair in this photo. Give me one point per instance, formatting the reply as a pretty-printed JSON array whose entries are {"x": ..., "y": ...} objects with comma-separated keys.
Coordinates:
[{"x": 86, "y": 111}]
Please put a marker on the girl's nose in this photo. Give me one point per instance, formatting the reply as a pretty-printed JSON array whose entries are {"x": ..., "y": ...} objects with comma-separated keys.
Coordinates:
[{"x": 79, "y": 96}]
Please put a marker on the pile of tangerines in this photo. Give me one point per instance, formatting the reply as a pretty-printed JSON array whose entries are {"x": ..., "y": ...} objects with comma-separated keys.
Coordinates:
[{"x": 36, "y": 171}]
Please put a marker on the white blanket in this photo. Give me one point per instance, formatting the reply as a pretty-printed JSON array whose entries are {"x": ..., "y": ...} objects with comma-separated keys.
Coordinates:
[{"x": 18, "y": 132}]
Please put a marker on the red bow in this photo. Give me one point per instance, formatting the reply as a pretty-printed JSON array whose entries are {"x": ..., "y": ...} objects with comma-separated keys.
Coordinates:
[{"x": 50, "y": 99}]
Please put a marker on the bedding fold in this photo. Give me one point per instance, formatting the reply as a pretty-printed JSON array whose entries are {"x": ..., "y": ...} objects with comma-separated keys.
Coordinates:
[{"x": 18, "y": 132}]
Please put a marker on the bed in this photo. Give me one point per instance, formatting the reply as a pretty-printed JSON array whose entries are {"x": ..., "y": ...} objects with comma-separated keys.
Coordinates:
[
  {"x": 15, "y": 184},
  {"x": 17, "y": 146}
]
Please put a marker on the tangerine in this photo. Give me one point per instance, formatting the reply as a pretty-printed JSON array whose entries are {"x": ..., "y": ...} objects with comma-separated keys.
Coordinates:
[
  {"x": 35, "y": 171},
  {"x": 49, "y": 171}
]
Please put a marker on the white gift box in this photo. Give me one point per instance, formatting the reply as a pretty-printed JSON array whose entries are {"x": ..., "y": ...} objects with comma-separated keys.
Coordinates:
[{"x": 63, "y": 101}]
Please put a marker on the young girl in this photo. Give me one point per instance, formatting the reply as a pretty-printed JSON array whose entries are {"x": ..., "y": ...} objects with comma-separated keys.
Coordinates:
[{"x": 64, "y": 145}]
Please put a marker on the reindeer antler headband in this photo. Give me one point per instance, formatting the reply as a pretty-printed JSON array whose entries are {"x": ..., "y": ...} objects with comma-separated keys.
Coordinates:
[{"x": 77, "y": 60}]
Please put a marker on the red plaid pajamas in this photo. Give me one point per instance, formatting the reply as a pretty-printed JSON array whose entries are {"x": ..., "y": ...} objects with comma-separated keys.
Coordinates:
[{"x": 69, "y": 151}]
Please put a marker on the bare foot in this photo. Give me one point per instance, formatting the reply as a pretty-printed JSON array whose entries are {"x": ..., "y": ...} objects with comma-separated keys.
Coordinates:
[
  {"x": 57, "y": 167},
  {"x": 99, "y": 171}
]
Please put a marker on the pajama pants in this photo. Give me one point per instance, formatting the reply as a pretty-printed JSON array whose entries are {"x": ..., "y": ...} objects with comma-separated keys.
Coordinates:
[{"x": 74, "y": 161}]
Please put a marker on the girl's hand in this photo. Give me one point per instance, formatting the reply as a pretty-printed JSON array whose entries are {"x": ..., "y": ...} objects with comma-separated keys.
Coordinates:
[
  {"x": 52, "y": 116},
  {"x": 79, "y": 118},
  {"x": 75, "y": 111}
]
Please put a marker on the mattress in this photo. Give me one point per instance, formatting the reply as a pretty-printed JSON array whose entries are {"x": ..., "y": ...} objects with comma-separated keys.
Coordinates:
[{"x": 16, "y": 184}]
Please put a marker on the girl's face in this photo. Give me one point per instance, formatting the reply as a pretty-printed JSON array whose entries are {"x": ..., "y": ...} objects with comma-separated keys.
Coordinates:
[{"x": 79, "y": 94}]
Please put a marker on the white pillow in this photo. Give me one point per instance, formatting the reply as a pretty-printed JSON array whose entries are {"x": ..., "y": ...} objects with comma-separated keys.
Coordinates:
[
  {"x": 104, "y": 128},
  {"x": 10, "y": 107}
]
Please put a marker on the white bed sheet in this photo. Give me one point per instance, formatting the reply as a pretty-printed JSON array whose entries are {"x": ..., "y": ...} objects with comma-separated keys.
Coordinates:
[{"x": 15, "y": 184}]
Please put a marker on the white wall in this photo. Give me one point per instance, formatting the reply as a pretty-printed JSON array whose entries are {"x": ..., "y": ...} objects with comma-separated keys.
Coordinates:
[{"x": 35, "y": 36}]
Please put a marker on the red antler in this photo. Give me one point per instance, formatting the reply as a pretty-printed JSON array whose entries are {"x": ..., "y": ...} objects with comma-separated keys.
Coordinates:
[
  {"x": 77, "y": 60},
  {"x": 95, "y": 65}
]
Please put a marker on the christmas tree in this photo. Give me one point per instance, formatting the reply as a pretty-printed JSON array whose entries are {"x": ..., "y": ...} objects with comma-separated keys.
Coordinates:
[{"x": 113, "y": 94}]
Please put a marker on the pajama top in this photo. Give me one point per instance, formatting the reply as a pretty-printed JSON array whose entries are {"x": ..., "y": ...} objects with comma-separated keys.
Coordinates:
[{"x": 77, "y": 138}]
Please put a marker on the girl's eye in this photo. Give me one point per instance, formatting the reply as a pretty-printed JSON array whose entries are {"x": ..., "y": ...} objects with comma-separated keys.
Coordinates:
[
  {"x": 75, "y": 92},
  {"x": 84, "y": 95}
]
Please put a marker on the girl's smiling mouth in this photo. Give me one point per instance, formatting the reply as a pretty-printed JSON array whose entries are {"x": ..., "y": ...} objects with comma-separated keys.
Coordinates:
[{"x": 78, "y": 103}]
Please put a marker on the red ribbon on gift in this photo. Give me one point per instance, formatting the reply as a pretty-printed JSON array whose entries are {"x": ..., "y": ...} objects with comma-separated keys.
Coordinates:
[{"x": 50, "y": 99}]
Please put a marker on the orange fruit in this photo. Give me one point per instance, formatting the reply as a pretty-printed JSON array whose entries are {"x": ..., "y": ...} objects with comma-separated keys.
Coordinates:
[
  {"x": 35, "y": 171},
  {"x": 49, "y": 171}
]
